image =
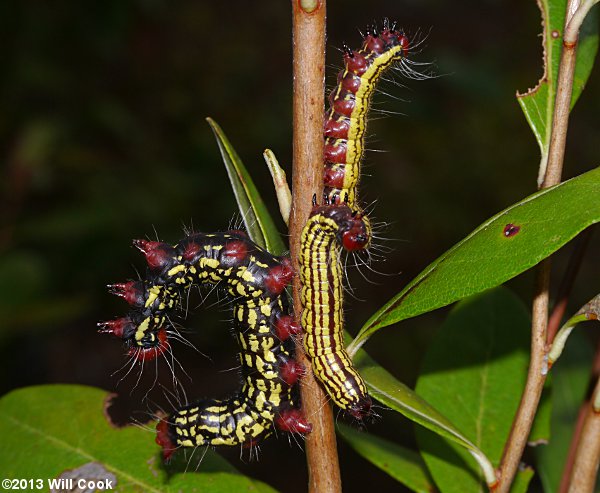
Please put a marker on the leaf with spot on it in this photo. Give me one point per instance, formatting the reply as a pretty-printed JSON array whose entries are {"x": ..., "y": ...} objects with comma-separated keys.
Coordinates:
[
  {"x": 509, "y": 243},
  {"x": 475, "y": 372},
  {"x": 50, "y": 429},
  {"x": 538, "y": 103},
  {"x": 258, "y": 221}
]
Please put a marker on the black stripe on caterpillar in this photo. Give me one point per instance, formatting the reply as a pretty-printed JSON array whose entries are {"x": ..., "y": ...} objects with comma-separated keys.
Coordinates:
[
  {"x": 329, "y": 228},
  {"x": 255, "y": 280}
]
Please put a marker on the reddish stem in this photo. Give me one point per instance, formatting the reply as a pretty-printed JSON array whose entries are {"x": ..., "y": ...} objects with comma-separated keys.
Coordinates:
[{"x": 566, "y": 286}]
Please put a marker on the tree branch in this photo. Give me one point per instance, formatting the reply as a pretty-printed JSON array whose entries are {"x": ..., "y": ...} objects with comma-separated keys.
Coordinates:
[
  {"x": 309, "y": 70},
  {"x": 538, "y": 365},
  {"x": 587, "y": 455}
]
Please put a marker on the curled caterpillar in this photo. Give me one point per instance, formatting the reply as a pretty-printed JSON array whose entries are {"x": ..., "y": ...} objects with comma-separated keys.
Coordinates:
[
  {"x": 346, "y": 121},
  {"x": 329, "y": 228},
  {"x": 255, "y": 280}
]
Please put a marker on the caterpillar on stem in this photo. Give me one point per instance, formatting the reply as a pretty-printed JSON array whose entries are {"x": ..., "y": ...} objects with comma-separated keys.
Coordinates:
[
  {"x": 255, "y": 282},
  {"x": 341, "y": 223},
  {"x": 346, "y": 121},
  {"x": 329, "y": 228}
]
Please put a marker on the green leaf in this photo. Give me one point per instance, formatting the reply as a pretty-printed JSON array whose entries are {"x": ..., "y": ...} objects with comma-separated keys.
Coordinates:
[
  {"x": 384, "y": 387},
  {"x": 570, "y": 378},
  {"x": 402, "y": 464},
  {"x": 538, "y": 103},
  {"x": 487, "y": 257},
  {"x": 51, "y": 429},
  {"x": 522, "y": 479},
  {"x": 475, "y": 371},
  {"x": 258, "y": 221}
]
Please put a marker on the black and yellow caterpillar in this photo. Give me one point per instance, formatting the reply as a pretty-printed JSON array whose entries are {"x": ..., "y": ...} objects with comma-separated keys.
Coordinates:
[
  {"x": 346, "y": 120},
  {"x": 340, "y": 223},
  {"x": 329, "y": 228},
  {"x": 255, "y": 280}
]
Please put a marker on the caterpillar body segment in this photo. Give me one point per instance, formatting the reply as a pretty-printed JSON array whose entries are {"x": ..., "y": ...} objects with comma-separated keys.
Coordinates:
[
  {"x": 255, "y": 281},
  {"x": 329, "y": 228},
  {"x": 346, "y": 120}
]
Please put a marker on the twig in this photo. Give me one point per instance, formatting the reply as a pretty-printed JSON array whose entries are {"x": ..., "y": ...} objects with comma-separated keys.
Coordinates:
[
  {"x": 566, "y": 285},
  {"x": 581, "y": 419},
  {"x": 587, "y": 456},
  {"x": 309, "y": 70},
  {"x": 536, "y": 377},
  {"x": 538, "y": 366}
]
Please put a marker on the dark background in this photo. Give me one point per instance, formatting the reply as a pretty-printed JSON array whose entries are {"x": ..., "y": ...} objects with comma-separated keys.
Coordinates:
[{"x": 103, "y": 139}]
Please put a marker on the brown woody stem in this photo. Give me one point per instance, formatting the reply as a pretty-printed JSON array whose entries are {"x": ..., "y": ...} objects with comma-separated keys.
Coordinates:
[
  {"x": 587, "y": 454},
  {"x": 582, "y": 420},
  {"x": 309, "y": 71},
  {"x": 538, "y": 365}
]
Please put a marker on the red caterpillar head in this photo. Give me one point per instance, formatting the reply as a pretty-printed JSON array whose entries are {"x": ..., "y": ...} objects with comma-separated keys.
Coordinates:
[
  {"x": 150, "y": 346},
  {"x": 146, "y": 346},
  {"x": 378, "y": 42},
  {"x": 361, "y": 409},
  {"x": 353, "y": 229},
  {"x": 356, "y": 236}
]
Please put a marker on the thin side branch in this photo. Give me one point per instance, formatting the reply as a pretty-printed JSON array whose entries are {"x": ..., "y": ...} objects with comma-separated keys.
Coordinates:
[
  {"x": 536, "y": 376},
  {"x": 574, "y": 446},
  {"x": 566, "y": 286},
  {"x": 587, "y": 456},
  {"x": 309, "y": 75},
  {"x": 533, "y": 386}
]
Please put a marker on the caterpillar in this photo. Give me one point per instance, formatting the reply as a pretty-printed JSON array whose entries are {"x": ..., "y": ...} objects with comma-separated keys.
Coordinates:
[
  {"x": 255, "y": 281},
  {"x": 329, "y": 228},
  {"x": 346, "y": 121}
]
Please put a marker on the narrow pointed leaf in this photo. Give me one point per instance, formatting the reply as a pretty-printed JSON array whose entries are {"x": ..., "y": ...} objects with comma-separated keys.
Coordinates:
[
  {"x": 282, "y": 189},
  {"x": 384, "y": 387},
  {"x": 475, "y": 371},
  {"x": 258, "y": 221},
  {"x": 402, "y": 464},
  {"x": 538, "y": 103},
  {"x": 509, "y": 243},
  {"x": 52, "y": 430}
]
